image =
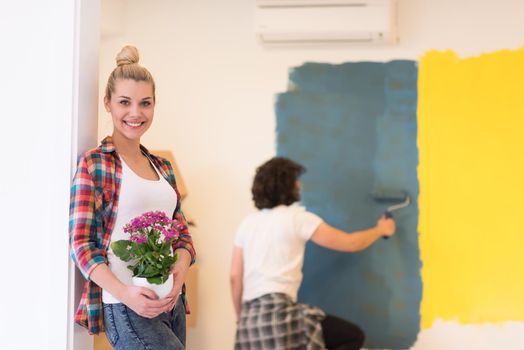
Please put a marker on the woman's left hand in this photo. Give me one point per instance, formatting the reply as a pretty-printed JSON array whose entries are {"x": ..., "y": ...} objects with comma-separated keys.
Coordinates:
[{"x": 179, "y": 271}]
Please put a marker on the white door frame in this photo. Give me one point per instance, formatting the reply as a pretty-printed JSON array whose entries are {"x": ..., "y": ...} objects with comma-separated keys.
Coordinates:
[{"x": 83, "y": 134}]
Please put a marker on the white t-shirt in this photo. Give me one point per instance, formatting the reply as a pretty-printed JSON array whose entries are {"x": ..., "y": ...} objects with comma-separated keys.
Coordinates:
[
  {"x": 273, "y": 243},
  {"x": 137, "y": 196}
]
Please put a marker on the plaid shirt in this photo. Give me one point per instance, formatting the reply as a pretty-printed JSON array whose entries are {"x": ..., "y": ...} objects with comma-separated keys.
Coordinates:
[
  {"x": 274, "y": 321},
  {"x": 92, "y": 213}
]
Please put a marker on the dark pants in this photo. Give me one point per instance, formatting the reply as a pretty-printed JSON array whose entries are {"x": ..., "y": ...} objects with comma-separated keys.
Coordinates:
[{"x": 340, "y": 334}]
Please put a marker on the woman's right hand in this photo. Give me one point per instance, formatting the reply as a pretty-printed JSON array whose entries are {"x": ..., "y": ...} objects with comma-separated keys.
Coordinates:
[{"x": 144, "y": 301}]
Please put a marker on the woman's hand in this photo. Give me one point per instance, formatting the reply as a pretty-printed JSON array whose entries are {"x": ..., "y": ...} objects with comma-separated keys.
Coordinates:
[
  {"x": 175, "y": 293},
  {"x": 144, "y": 301},
  {"x": 141, "y": 300},
  {"x": 179, "y": 272}
]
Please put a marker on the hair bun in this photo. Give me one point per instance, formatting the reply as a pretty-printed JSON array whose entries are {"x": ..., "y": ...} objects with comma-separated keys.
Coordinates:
[{"x": 128, "y": 55}]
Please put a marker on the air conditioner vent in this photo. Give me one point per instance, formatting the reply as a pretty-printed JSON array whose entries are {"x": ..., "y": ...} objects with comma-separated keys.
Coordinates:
[{"x": 350, "y": 21}]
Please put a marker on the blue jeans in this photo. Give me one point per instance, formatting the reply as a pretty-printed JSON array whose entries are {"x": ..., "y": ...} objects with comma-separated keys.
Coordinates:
[{"x": 127, "y": 330}]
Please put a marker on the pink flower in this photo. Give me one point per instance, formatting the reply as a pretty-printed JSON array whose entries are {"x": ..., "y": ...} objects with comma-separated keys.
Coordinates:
[
  {"x": 150, "y": 244},
  {"x": 154, "y": 223}
]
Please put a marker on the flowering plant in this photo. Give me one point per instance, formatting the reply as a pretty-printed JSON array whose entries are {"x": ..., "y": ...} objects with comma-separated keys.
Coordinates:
[{"x": 149, "y": 247}]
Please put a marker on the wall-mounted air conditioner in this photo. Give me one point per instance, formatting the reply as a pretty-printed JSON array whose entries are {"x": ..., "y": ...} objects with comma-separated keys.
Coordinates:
[{"x": 295, "y": 21}]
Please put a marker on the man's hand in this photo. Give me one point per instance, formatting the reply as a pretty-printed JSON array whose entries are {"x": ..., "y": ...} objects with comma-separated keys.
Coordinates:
[{"x": 386, "y": 226}]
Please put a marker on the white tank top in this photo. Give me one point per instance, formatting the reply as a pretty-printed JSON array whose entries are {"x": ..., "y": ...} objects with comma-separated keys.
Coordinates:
[{"x": 137, "y": 196}]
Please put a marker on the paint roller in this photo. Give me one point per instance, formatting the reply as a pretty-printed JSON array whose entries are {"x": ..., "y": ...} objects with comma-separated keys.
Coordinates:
[{"x": 400, "y": 198}]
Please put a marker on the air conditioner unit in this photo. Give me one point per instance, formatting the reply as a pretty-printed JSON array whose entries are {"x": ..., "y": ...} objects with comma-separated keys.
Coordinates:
[{"x": 352, "y": 21}]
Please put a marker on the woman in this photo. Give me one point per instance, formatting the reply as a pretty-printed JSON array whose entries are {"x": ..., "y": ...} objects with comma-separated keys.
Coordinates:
[
  {"x": 267, "y": 261},
  {"x": 114, "y": 183}
]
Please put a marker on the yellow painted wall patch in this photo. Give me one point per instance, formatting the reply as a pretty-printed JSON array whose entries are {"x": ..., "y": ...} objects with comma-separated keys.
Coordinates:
[{"x": 471, "y": 173}]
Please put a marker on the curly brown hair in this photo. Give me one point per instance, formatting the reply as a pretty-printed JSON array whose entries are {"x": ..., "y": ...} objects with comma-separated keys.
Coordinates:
[{"x": 275, "y": 183}]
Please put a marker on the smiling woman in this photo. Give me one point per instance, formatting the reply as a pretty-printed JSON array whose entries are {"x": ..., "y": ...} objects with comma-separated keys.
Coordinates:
[
  {"x": 122, "y": 177},
  {"x": 130, "y": 96},
  {"x": 131, "y": 107}
]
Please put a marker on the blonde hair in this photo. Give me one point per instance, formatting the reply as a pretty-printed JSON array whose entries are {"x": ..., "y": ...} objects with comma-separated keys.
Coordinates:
[{"x": 127, "y": 67}]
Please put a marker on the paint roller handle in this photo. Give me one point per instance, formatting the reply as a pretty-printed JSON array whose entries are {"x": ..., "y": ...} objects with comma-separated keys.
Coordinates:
[{"x": 387, "y": 215}]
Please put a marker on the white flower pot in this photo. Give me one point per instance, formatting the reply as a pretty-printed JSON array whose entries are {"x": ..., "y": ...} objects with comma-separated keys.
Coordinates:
[{"x": 162, "y": 290}]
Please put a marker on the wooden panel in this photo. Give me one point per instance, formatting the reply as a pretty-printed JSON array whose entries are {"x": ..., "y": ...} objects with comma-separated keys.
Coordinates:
[
  {"x": 191, "y": 290},
  {"x": 101, "y": 342}
]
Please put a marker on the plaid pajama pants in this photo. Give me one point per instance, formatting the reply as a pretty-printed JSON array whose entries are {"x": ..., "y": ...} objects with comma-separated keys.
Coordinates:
[{"x": 274, "y": 321}]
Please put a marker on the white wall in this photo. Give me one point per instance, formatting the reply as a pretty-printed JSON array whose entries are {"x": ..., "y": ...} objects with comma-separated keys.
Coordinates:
[
  {"x": 37, "y": 78},
  {"x": 41, "y": 95},
  {"x": 216, "y": 88}
]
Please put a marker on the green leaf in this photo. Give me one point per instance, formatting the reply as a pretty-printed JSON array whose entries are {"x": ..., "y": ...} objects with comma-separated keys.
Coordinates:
[
  {"x": 140, "y": 249},
  {"x": 156, "y": 280},
  {"x": 141, "y": 269},
  {"x": 151, "y": 241},
  {"x": 120, "y": 248},
  {"x": 153, "y": 270}
]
